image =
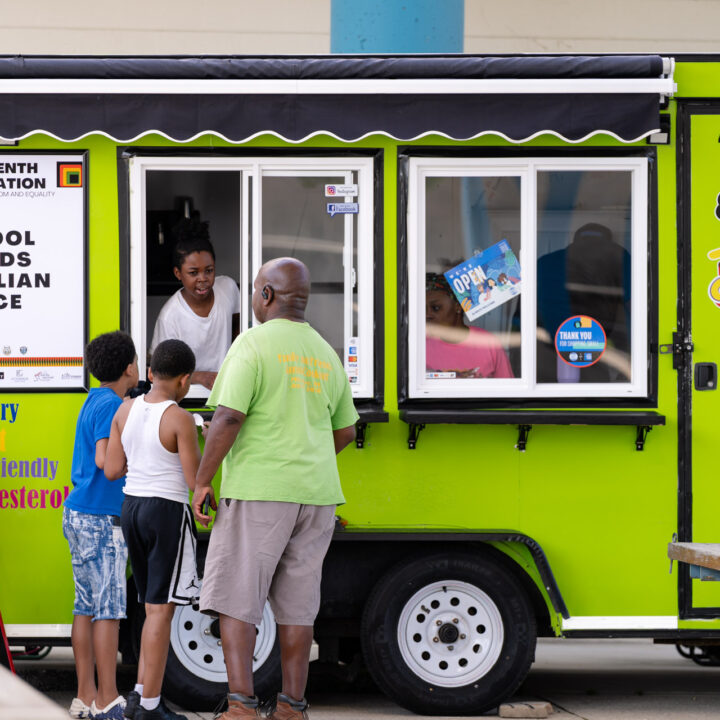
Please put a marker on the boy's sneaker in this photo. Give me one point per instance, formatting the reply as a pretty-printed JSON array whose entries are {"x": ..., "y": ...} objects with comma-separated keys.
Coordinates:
[
  {"x": 161, "y": 712},
  {"x": 240, "y": 706},
  {"x": 79, "y": 710},
  {"x": 288, "y": 709},
  {"x": 114, "y": 711},
  {"x": 131, "y": 704}
]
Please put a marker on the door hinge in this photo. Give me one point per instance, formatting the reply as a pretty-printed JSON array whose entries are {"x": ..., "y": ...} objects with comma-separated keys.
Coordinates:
[{"x": 681, "y": 345}]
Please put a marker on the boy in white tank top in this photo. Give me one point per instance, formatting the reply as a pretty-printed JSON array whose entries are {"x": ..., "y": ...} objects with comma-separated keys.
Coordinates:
[{"x": 154, "y": 443}]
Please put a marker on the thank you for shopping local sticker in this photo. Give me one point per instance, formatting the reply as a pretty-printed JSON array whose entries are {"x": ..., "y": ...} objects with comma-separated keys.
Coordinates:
[{"x": 580, "y": 341}]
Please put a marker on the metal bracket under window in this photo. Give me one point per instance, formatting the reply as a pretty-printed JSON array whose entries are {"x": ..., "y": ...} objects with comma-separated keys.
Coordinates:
[
  {"x": 523, "y": 431},
  {"x": 413, "y": 433},
  {"x": 360, "y": 429},
  {"x": 642, "y": 431},
  {"x": 680, "y": 346},
  {"x": 368, "y": 416}
]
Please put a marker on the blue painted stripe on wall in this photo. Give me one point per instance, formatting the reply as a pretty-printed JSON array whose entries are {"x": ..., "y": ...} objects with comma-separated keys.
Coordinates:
[{"x": 397, "y": 26}]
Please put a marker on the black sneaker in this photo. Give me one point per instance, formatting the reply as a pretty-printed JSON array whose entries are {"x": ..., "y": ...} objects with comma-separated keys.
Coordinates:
[
  {"x": 161, "y": 712},
  {"x": 131, "y": 704}
]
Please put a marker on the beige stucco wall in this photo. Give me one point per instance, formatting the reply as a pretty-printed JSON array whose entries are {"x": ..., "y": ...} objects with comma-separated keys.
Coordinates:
[
  {"x": 165, "y": 27},
  {"x": 539, "y": 26},
  {"x": 107, "y": 27}
]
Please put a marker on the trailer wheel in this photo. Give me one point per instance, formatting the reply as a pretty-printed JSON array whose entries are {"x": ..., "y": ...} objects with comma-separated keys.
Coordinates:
[
  {"x": 704, "y": 655},
  {"x": 448, "y": 634},
  {"x": 195, "y": 676}
]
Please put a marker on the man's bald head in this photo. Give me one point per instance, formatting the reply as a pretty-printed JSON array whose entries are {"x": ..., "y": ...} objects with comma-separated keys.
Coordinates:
[{"x": 286, "y": 281}]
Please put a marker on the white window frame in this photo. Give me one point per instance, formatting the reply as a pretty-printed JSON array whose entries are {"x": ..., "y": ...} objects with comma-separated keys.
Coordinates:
[
  {"x": 252, "y": 170},
  {"x": 525, "y": 386}
]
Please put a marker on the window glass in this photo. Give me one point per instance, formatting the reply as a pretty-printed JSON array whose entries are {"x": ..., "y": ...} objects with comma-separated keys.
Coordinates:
[
  {"x": 472, "y": 276},
  {"x": 523, "y": 277},
  {"x": 319, "y": 210},
  {"x": 172, "y": 195},
  {"x": 584, "y": 289},
  {"x": 295, "y": 223}
]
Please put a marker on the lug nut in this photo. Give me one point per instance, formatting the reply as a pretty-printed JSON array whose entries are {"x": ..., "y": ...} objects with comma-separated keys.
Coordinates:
[
  {"x": 462, "y": 636},
  {"x": 435, "y": 639},
  {"x": 455, "y": 620},
  {"x": 206, "y": 631},
  {"x": 438, "y": 623},
  {"x": 451, "y": 647}
]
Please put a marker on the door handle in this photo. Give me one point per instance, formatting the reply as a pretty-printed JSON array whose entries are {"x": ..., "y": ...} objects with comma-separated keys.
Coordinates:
[{"x": 705, "y": 376}]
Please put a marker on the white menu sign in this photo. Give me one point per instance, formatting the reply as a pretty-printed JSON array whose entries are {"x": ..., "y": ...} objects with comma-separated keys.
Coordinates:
[{"x": 42, "y": 271}]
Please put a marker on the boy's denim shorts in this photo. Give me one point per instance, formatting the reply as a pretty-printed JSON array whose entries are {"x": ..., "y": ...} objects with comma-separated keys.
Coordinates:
[{"x": 99, "y": 561}]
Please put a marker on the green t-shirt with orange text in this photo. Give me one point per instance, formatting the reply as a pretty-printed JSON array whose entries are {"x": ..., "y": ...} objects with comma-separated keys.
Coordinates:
[{"x": 294, "y": 391}]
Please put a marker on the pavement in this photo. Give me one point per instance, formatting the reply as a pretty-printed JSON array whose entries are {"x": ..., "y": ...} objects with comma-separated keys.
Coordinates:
[
  {"x": 585, "y": 679},
  {"x": 20, "y": 701}
]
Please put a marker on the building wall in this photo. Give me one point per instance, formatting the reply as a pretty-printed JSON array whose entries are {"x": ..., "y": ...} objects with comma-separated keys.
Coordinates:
[
  {"x": 288, "y": 27},
  {"x": 166, "y": 27},
  {"x": 517, "y": 26}
]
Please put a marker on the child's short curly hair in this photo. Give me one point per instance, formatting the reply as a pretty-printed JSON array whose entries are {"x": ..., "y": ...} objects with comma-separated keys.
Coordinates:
[
  {"x": 108, "y": 355},
  {"x": 191, "y": 235},
  {"x": 172, "y": 358}
]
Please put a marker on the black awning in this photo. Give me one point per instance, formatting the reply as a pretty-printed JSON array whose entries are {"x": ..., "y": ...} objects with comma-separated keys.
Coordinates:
[{"x": 461, "y": 97}]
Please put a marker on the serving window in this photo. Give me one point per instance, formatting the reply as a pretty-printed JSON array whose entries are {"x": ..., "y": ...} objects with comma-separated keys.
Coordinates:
[
  {"x": 527, "y": 277},
  {"x": 319, "y": 210}
]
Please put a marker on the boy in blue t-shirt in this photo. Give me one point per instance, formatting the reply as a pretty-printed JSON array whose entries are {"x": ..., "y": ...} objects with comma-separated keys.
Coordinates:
[{"x": 91, "y": 525}]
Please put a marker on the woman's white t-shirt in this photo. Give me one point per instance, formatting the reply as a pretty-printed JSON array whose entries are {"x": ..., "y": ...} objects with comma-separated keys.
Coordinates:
[{"x": 209, "y": 337}]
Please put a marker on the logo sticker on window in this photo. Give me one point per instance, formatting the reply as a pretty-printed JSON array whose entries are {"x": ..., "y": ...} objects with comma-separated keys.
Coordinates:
[
  {"x": 342, "y": 208},
  {"x": 342, "y": 190},
  {"x": 351, "y": 364},
  {"x": 580, "y": 341}
]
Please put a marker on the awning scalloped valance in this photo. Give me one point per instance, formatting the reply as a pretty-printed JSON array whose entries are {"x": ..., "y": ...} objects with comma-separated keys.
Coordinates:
[{"x": 408, "y": 97}]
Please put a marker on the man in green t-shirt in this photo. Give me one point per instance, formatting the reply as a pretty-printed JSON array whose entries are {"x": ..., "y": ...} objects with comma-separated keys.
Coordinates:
[{"x": 284, "y": 410}]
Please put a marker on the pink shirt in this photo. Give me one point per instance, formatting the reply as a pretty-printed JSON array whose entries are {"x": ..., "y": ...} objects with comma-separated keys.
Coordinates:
[{"x": 480, "y": 352}]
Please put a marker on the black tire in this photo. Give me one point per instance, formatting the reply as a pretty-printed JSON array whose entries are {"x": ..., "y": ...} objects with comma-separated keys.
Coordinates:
[
  {"x": 423, "y": 647},
  {"x": 196, "y": 684}
]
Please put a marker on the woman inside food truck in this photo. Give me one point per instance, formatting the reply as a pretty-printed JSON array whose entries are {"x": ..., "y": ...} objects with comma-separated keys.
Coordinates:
[
  {"x": 453, "y": 347},
  {"x": 204, "y": 312}
]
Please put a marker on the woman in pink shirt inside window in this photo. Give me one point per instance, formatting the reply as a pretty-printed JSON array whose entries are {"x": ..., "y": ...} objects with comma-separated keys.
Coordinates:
[{"x": 450, "y": 345}]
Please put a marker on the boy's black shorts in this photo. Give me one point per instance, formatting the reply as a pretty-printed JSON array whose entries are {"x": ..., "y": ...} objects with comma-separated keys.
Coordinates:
[{"x": 161, "y": 539}]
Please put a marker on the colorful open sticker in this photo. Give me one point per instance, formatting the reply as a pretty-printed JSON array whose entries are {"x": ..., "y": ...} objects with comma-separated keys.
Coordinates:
[
  {"x": 580, "y": 341},
  {"x": 486, "y": 280}
]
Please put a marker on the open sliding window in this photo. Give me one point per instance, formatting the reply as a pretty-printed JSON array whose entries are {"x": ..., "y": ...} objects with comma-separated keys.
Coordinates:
[
  {"x": 318, "y": 210},
  {"x": 527, "y": 277}
]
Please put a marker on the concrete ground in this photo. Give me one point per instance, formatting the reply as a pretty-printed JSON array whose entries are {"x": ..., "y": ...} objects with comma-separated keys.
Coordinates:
[{"x": 586, "y": 679}]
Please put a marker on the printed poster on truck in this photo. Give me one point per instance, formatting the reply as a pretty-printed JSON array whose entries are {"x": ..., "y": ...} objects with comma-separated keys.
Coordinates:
[
  {"x": 42, "y": 271},
  {"x": 486, "y": 280}
]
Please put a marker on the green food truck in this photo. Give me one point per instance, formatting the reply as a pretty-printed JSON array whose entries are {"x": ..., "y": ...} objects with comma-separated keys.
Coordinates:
[{"x": 517, "y": 259}]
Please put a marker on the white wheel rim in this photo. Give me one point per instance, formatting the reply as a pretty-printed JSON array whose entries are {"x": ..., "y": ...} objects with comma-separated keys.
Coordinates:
[
  {"x": 450, "y": 633},
  {"x": 200, "y": 651}
]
